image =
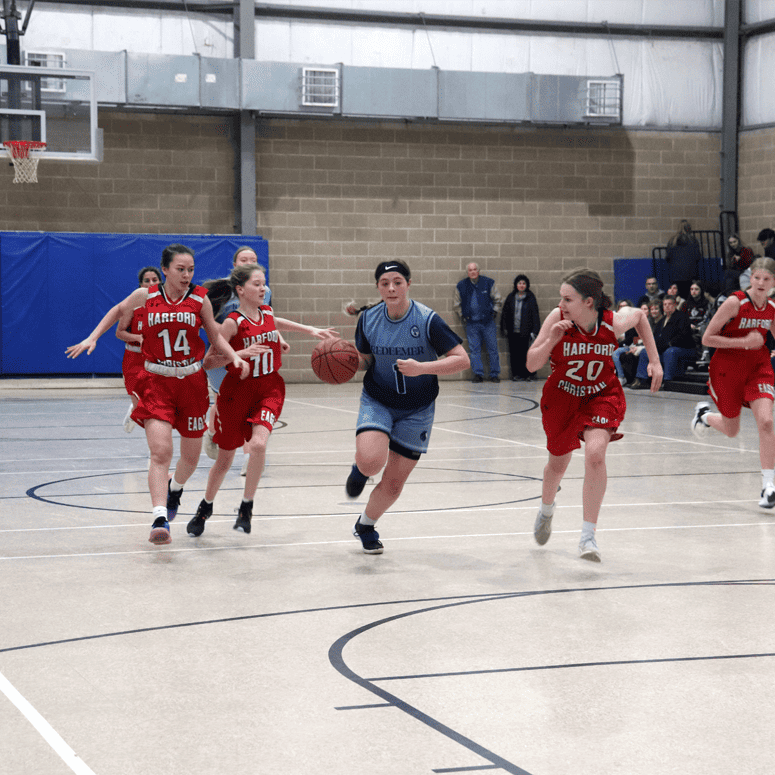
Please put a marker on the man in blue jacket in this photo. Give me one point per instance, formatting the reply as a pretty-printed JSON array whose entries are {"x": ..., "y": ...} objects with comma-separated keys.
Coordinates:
[{"x": 478, "y": 303}]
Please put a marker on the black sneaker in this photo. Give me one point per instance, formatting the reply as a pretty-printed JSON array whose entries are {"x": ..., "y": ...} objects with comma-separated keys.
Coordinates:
[
  {"x": 160, "y": 532},
  {"x": 356, "y": 481},
  {"x": 369, "y": 538},
  {"x": 495, "y": 379},
  {"x": 173, "y": 502},
  {"x": 196, "y": 526},
  {"x": 478, "y": 378},
  {"x": 243, "y": 517}
]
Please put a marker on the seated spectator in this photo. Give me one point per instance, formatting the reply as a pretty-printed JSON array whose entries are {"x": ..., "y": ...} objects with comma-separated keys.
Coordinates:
[
  {"x": 675, "y": 344},
  {"x": 655, "y": 313},
  {"x": 766, "y": 237},
  {"x": 673, "y": 291},
  {"x": 653, "y": 293},
  {"x": 625, "y": 361},
  {"x": 697, "y": 307},
  {"x": 739, "y": 259}
]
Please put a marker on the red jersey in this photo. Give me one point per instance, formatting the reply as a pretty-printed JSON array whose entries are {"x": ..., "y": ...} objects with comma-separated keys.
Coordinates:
[
  {"x": 748, "y": 318},
  {"x": 171, "y": 335},
  {"x": 132, "y": 364},
  {"x": 259, "y": 399},
  {"x": 582, "y": 363},
  {"x": 738, "y": 377},
  {"x": 583, "y": 390},
  {"x": 261, "y": 331}
]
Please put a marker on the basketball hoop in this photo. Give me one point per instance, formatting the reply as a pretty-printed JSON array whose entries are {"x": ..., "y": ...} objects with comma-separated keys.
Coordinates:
[{"x": 25, "y": 155}]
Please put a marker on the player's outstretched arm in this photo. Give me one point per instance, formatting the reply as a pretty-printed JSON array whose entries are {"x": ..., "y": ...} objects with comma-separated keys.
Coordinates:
[{"x": 88, "y": 344}]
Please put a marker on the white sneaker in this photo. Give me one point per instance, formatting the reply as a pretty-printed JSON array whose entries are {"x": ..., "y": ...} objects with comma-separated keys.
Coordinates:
[
  {"x": 211, "y": 448},
  {"x": 542, "y": 529},
  {"x": 768, "y": 497},
  {"x": 244, "y": 469},
  {"x": 700, "y": 428},
  {"x": 129, "y": 423},
  {"x": 588, "y": 549}
]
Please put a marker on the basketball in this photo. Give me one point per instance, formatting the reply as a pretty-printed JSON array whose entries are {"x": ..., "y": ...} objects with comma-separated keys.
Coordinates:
[{"x": 335, "y": 361}]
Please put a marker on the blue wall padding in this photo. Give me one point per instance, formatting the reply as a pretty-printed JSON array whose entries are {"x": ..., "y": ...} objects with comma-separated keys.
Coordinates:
[{"x": 55, "y": 288}]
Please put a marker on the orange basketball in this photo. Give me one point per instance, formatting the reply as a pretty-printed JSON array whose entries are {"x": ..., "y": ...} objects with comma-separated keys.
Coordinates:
[{"x": 335, "y": 361}]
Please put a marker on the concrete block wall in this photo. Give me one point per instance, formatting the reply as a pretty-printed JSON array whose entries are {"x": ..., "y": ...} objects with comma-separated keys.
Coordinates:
[
  {"x": 756, "y": 184},
  {"x": 335, "y": 198}
]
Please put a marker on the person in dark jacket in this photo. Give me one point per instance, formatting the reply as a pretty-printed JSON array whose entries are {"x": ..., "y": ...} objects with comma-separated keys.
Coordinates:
[
  {"x": 675, "y": 343},
  {"x": 520, "y": 324}
]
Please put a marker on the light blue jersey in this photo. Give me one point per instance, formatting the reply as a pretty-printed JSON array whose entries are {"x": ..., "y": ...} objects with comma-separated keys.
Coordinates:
[{"x": 420, "y": 334}]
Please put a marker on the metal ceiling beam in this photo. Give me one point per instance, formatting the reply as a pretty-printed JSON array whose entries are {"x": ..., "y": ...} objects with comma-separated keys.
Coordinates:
[{"x": 495, "y": 24}]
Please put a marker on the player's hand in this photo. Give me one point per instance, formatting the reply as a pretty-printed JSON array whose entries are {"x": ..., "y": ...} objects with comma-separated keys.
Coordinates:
[
  {"x": 253, "y": 350},
  {"x": 654, "y": 370},
  {"x": 324, "y": 333},
  {"x": 753, "y": 340},
  {"x": 74, "y": 350},
  {"x": 243, "y": 366},
  {"x": 409, "y": 367}
]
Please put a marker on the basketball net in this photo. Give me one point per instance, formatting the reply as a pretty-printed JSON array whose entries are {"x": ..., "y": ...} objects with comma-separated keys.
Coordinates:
[{"x": 25, "y": 155}]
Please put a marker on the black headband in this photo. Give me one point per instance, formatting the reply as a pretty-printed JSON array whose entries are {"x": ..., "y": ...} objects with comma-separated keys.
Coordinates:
[{"x": 391, "y": 266}]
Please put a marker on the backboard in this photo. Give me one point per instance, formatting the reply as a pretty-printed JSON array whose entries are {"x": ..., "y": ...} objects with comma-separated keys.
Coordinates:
[{"x": 54, "y": 105}]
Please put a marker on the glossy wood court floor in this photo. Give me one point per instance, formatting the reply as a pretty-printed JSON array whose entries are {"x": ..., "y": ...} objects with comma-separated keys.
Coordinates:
[{"x": 465, "y": 647}]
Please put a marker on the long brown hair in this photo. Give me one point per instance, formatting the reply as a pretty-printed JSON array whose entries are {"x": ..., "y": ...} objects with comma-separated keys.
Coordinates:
[{"x": 588, "y": 284}]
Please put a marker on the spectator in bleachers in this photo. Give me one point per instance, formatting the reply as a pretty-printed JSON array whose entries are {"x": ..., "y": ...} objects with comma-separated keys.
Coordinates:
[
  {"x": 626, "y": 370},
  {"x": 673, "y": 291},
  {"x": 739, "y": 259},
  {"x": 684, "y": 235},
  {"x": 766, "y": 237},
  {"x": 653, "y": 292},
  {"x": 697, "y": 307},
  {"x": 683, "y": 257},
  {"x": 655, "y": 312},
  {"x": 673, "y": 336}
]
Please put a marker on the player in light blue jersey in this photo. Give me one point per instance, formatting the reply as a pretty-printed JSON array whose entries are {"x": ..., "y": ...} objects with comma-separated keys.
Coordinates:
[{"x": 404, "y": 345}]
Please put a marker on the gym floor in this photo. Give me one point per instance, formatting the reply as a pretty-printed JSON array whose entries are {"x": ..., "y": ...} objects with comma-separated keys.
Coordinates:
[{"x": 464, "y": 647}]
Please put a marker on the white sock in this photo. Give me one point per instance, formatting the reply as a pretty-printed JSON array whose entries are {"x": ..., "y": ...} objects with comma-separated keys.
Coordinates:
[
  {"x": 175, "y": 485},
  {"x": 159, "y": 511},
  {"x": 547, "y": 511},
  {"x": 588, "y": 529},
  {"x": 768, "y": 474},
  {"x": 364, "y": 520}
]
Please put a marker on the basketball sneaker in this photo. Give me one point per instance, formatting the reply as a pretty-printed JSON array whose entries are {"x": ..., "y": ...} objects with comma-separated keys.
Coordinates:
[
  {"x": 356, "y": 481},
  {"x": 211, "y": 448},
  {"x": 588, "y": 549},
  {"x": 699, "y": 426},
  {"x": 173, "y": 502},
  {"x": 369, "y": 538},
  {"x": 197, "y": 524},
  {"x": 160, "y": 532},
  {"x": 542, "y": 528},
  {"x": 244, "y": 516},
  {"x": 768, "y": 497}
]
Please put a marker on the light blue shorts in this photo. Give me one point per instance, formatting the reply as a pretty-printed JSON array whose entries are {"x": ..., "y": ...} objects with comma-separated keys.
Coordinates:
[{"x": 407, "y": 428}]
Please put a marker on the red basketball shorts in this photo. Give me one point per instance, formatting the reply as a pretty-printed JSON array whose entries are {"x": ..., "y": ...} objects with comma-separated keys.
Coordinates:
[
  {"x": 243, "y": 404},
  {"x": 132, "y": 367},
  {"x": 733, "y": 383},
  {"x": 566, "y": 417},
  {"x": 183, "y": 403}
]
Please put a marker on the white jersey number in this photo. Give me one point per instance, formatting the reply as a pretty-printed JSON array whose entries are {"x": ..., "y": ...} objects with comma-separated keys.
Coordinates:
[
  {"x": 180, "y": 346},
  {"x": 593, "y": 370}
]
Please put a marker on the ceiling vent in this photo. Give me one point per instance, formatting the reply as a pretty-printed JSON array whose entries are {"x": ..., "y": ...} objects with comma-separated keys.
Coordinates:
[
  {"x": 320, "y": 87},
  {"x": 603, "y": 101}
]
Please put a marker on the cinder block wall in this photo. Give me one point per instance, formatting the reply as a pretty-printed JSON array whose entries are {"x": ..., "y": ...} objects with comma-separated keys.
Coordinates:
[
  {"x": 335, "y": 198},
  {"x": 756, "y": 184}
]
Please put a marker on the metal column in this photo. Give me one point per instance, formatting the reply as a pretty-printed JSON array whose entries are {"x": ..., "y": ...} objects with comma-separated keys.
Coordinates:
[
  {"x": 730, "y": 120},
  {"x": 245, "y": 184}
]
